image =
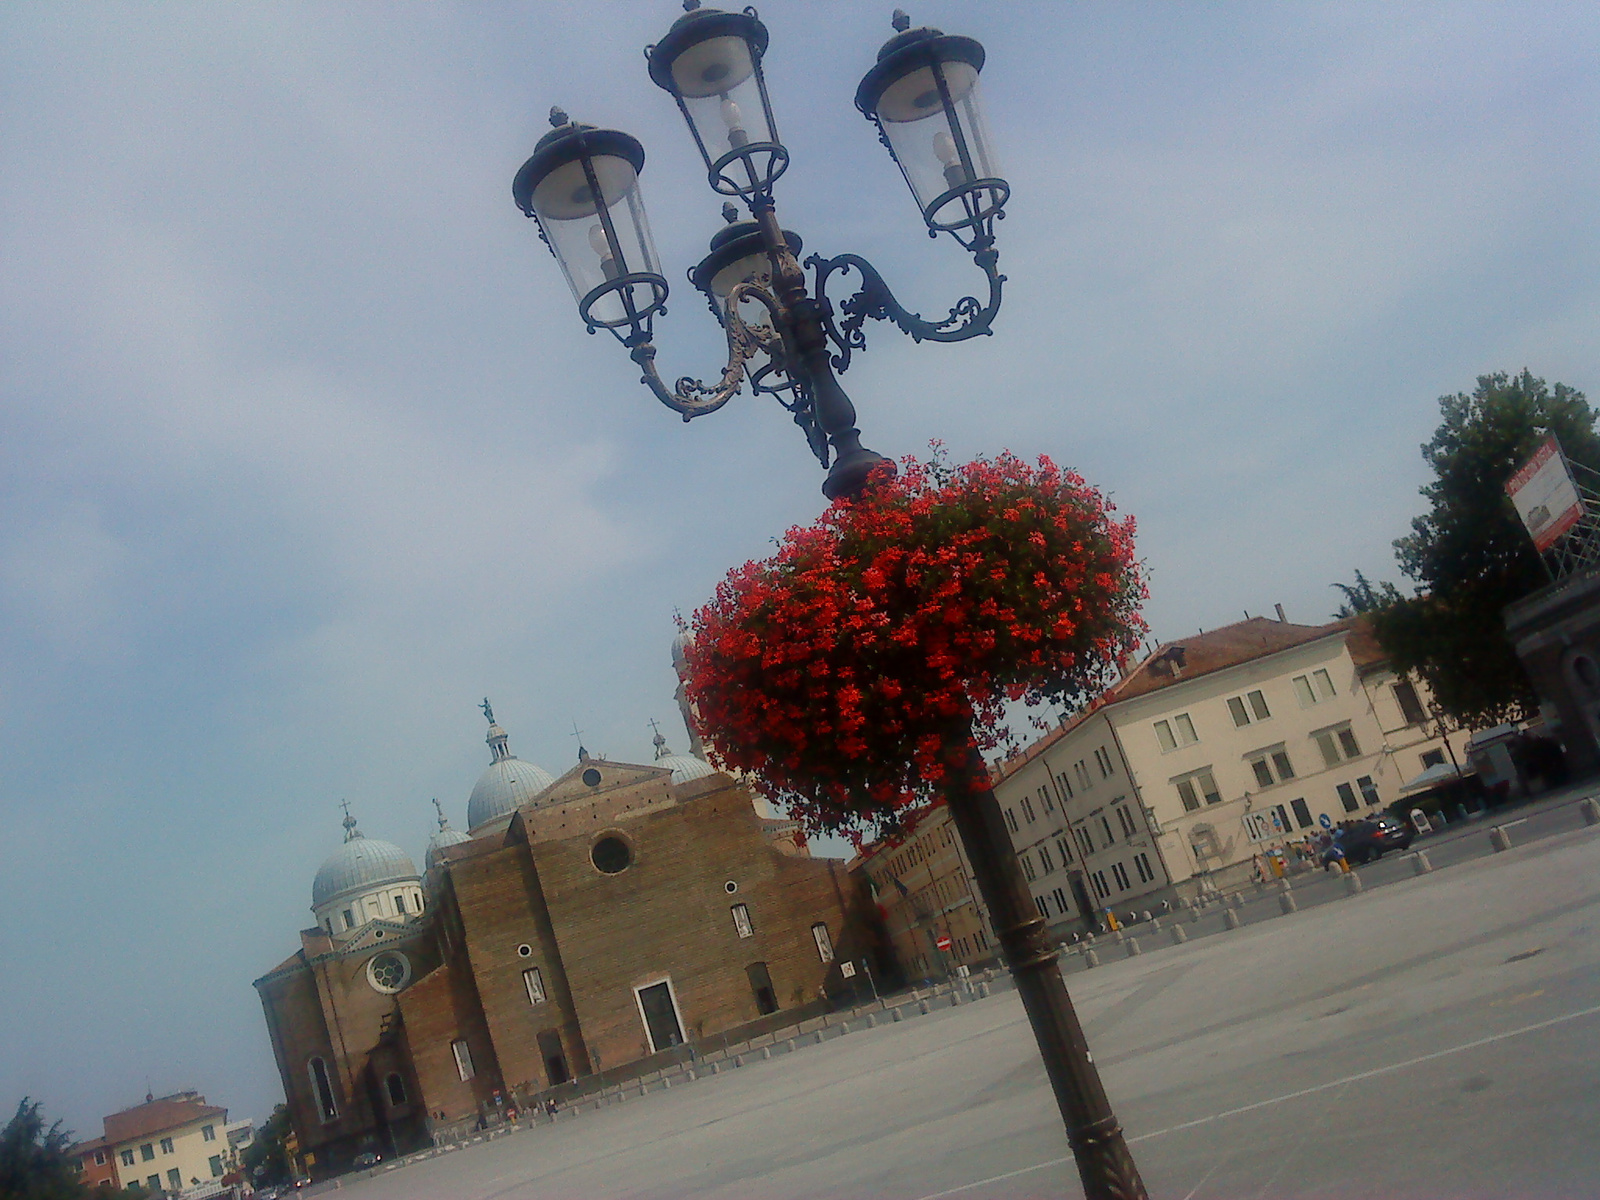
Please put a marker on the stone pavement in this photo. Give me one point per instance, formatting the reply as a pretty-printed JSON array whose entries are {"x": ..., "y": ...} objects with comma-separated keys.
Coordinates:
[{"x": 1438, "y": 1037}]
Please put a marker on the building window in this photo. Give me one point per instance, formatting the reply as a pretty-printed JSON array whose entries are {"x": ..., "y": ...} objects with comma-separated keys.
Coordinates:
[
  {"x": 1302, "y": 813},
  {"x": 1027, "y": 867},
  {"x": 1099, "y": 881},
  {"x": 1432, "y": 758},
  {"x": 1177, "y": 732},
  {"x": 1271, "y": 766},
  {"x": 1105, "y": 828},
  {"x": 215, "y": 1163},
  {"x": 1027, "y": 810},
  {"x": 741, "y": 920},
  {"x": 1313, "y": 688},
  {"x": 1084, "y": 843},
  {"x": 388, "y": 972},
  {"x": 1369, "y": 791},
  {"x": 1103, "y": 761},
  {"x": 1405, "y": 695},
  {"x": 127, "y": 1158},
  {"x": 1011, "y": 820},
  {"x": 99, "y": 1158},
  {"x": 1125, "y": 819},
  {"x": 819, "y": 934},
  {"x": 396, "y": 1087},
  {"x": 1065, "y": 785},
  {"x": 349, "y": 918},
  {"x": 1044, "y": 909},
  {"x": 463, "y": 1054},
  {"x": 533, "y": 981},
  {"x": 1045, "y": 802},
  {"x": 1045, "y": 865},
  {"x": 1252, "y": 706},
  {"x": 1120, "y": 874},
  {"x": 147, "y": 1152},
  {"x": 153, "y": 1183},
  {"x": 174, "y": 1179},
  {"x": 1337, "y": 744},
  {"x": 166, "y": 1143},
  {"x": 1064, "y": 849},
  {"x": 1061, "y": 902},
  {"x": 611, "y": 855},
  {"x": 322, "y": 1088},
  {"x": 1141, "y": 863},
  {"x": 1197, "y": 787},
  {"x": 1347, "y": 797},
  {"x": 400, "y": 904}
]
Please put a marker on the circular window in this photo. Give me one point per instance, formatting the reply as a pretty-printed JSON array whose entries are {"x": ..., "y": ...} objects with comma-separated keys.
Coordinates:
[
  {"x": 611, "y": 855},
  {"x": 389, "y": 971},
  {"x": 592, "y": 777},
  {"x": 524, "y": 951},
  {"x": 730, "y": 887}
]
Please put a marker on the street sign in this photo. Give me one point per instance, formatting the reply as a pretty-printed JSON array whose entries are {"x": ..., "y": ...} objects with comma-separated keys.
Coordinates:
[
  {"x": 847, "y": 969},
  {"x": 1325, "y": 821},
  {"x": 944, "y": 941}
]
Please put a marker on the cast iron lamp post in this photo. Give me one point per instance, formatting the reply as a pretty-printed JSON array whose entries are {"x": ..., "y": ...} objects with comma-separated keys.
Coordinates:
[{"x": 581, "y": 187}]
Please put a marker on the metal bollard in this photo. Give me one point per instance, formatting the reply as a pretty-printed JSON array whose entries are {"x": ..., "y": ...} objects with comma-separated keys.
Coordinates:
[
  {"x": 1286, "y": 903},
  {"x": 1230, "y": 919},
  {"x": 1499, "y": 839},
  {"x": 1179, "y": 937},
  {"x": 1352, "y": 884},
  {"x": 1590, "y": 809},
  {"x": 1133, "y": 948},
  {"x": 1091, "y": 958},
  {"x": 1420, "y": 864}
]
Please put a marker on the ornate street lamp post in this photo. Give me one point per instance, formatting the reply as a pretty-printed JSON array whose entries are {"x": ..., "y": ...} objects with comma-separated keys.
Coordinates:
[{"x": 581, "y": 187}]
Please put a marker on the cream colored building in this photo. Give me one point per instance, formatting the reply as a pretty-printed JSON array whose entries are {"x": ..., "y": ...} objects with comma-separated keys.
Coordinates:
[
  {"x": 1213, "y": 751},
  {"x": 176, "y": 1145}
]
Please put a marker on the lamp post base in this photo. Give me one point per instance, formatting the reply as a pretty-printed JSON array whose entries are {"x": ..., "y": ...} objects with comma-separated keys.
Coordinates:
[
  {"x": 1105, "y": 1165},
  {"x": 849, "y": 472}
]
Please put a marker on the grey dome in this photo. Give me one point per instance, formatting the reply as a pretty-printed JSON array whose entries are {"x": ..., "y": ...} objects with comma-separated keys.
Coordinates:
[
  {"x": 685, "y": 767},
  {"x": 362, "y": 862},
  {"x": 445, "y": 837},
  {"x": 506, "y": 784}
]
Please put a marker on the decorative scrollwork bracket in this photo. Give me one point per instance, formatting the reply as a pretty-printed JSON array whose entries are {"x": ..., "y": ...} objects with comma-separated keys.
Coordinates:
[{"x": 692, "y": 398}]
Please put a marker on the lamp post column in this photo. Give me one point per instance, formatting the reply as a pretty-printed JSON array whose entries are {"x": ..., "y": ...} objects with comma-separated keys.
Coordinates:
[{"x": 1105, "y": 1164}]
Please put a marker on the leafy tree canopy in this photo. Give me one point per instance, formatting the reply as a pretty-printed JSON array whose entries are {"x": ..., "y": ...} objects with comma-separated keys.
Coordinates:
[
  {"x": 34, "y": 1164},
  {"x": 265, "y": 1161},
  {"x": 1469, "y": 553}
]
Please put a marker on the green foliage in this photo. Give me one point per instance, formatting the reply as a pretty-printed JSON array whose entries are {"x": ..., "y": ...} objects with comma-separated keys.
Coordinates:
[
  {"x": 1363, "y": 596},
  {"x": 34, "y": 1164},
  {"x": 1469, "y": 553},
  {"x": 267, "y": 1151}
]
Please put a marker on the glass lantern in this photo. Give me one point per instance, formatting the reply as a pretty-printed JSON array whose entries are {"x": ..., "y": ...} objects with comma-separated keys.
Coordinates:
[
  {"x": 739, "y": 254},
  {"x": 582, "y": 187},
  {"x": 710, "y": 61},
  {"x": 923, "y": 96}
]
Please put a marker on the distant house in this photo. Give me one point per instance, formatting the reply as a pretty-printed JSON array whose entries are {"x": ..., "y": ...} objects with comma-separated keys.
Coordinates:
[
  {"x": 1212, "y": 751},
  {"x": 174, "y": 1145}
]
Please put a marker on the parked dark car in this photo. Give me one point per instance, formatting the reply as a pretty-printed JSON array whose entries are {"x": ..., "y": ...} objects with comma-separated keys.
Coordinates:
[
  {"x": 369, "y": 1159},
  {"x": 1368, "y": 840}
]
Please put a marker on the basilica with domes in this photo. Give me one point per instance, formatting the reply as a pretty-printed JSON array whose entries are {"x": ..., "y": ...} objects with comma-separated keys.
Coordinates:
[{"x": 591, "y": 921}]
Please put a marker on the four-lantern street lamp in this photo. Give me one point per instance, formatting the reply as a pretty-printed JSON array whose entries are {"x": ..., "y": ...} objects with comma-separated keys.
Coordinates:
[{"x": 582, "y": 188}]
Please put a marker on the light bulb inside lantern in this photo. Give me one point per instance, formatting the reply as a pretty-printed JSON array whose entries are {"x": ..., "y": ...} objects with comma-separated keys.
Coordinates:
[
  {"x": 602, "y": 247},
  {"x": 948, "y": 153},
  {"x": 734, "y": 120}
]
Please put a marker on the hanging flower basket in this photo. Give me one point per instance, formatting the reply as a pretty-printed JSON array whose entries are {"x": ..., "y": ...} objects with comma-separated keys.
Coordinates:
[{"x": 835, "y": 672}]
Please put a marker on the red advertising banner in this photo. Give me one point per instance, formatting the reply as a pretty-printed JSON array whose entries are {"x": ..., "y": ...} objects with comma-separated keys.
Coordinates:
[{"x": 1545, "y": 496}]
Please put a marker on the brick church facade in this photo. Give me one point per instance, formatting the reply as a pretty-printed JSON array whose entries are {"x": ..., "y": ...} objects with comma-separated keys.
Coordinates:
[{"x": 585, "y": 923}]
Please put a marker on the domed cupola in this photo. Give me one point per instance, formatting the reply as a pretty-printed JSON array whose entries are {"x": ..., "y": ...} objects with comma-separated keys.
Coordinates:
[
  {"x": 684, "y": 767},
  {"x": 363, "y": 880},
  {"x": 445, "y": 837},
  {"x": 507, "y": 783}
]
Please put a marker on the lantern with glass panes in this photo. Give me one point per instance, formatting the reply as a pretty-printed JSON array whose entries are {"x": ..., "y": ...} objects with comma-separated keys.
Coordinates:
[{"x": 785, "y": 339}]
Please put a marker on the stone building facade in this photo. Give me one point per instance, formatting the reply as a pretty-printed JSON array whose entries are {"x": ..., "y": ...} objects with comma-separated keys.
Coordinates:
[{"x": 584, "y": 923}]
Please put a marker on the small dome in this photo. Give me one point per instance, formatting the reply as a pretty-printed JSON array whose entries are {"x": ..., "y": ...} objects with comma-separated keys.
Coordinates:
[
  {"x": 685, "y": 767},
  {"x": 506, "y": 784},
  {"x": 445, "y": 837},
  {"x": 362, "y": 862}
]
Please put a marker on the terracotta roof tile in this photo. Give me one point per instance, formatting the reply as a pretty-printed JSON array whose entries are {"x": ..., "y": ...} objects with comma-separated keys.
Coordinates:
[
  {"x": 1216, "y": 650},
  {"x": 158, "y": 1116}
]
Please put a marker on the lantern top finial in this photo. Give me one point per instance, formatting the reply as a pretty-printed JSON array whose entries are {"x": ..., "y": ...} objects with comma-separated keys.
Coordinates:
[
  {"x": 690, "y": 5},
  {"x": 730, "y": 213},
  {"x": 558, "y": 116},
  {"x": 901, "y": 20}
]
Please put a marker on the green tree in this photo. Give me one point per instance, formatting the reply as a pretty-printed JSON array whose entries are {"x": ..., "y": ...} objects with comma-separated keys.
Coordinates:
[
  {"x": 267, "y": 1152},
  {"x": 1469, "y": 553},
  {"x": 34, "y": 1164},
  {"x": 1363, "y": 596}
]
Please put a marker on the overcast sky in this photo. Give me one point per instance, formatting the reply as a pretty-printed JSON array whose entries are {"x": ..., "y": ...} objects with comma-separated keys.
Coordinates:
[{"x": 303, "y": 450}]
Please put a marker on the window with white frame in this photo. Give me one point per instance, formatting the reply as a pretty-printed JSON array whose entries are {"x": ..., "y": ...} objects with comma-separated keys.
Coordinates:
[
  {"x": 1411, "y": 710},
  {"x": 1271, "y": 766},
  {"x": 1046, "y": 803},
  {"x": 1065, "y": 785},
  {"x": 322, "y": 1088},
  {"x": 1141, "y": 864},
  {"x": 533, "y": 981},
  {"x": 1177, "y": 732},
  {"x": 1060, "y": 898},
  {"x": 463, "y": 1055},
  {"x": 1105, "y": 828},
  {"x": 1064, "y": 849},
  {"x": 1196, "y": 788},
  {"x": 1313, "y": 687},
  {"x": 127, "y": 1157},
  {"x": 1044, "y": 909},
  {"x": 1103, "y": 761},
  {"x": 1347, "y": 797},
  {"x": 1369, "y": 790},
  {"x": 1100, "y": 887},
  {"x": 1120, "y": 874},
  {"x": 819, "y": 935},
  {"x": 741, "y": 920},
  {"x": 1011, "y": 820},
  {"x": 1125, "y": 819},
  {"x": 1252, "y": 706},
  {"x": 1085, "y": 843},
  {"x": 1045, "y": 865},
  {"x": 1082, "y": 772},
  {"x": 1338, "y": 744},
  {"x": 1027, "y": 867},
  {"x": 1027, "y": 810},
  {"x": 166, "y": 1143}
]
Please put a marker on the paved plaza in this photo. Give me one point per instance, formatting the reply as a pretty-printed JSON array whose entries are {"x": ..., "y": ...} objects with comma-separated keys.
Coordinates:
[{"x": 1436, "y": 1037}]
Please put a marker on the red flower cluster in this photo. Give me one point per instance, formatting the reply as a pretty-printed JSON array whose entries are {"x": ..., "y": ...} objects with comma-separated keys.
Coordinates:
[{"x": 835, "y": 672}]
